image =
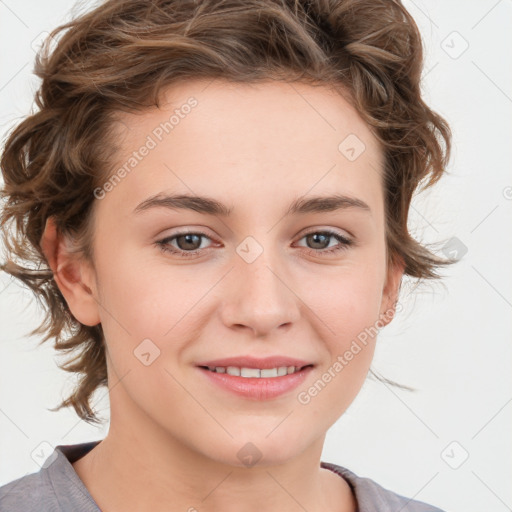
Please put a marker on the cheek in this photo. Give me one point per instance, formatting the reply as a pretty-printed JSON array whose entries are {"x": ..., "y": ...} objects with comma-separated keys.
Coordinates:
[
  {"x": 146, "y": 323},
  {"x": 345, "y": 302},
  {"x": 143, "y": 296},
  {"x": 349, "y": 342},
  {"x": 345, "y": 312},
  {"x": 151, "y": 313}
]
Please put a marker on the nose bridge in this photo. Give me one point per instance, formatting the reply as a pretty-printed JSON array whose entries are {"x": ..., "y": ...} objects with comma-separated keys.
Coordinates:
[{"x": 260, "y": 296}]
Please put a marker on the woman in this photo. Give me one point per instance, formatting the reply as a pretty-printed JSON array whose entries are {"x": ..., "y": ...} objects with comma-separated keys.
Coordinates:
[{"x": 218, "y": 194}]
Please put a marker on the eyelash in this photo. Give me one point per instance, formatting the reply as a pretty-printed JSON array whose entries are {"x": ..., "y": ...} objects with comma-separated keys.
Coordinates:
[{"x": 344, "y": 243}]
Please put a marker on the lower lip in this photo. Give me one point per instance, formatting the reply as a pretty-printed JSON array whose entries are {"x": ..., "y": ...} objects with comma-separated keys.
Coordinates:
[{"x": 254, "y": 388}]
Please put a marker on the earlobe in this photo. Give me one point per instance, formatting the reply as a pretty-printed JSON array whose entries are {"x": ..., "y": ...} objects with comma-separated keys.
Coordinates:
[{"x": 69, "y": 272}]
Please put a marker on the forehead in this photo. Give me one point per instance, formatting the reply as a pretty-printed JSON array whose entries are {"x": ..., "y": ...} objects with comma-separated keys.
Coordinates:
[{"x": 226, "y": 140}]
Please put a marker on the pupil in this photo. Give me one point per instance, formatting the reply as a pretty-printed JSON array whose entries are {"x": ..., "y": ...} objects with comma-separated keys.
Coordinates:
[
  {"x": 188, "y": 240},
  {"x": 315, "y": 237}
]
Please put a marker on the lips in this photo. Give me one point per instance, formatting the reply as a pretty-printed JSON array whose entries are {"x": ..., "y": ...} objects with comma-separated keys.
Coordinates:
[{"x": 252, "y": 387}]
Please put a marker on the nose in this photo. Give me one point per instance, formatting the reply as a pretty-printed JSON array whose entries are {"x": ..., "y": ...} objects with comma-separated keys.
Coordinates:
[{"x": 259, "y": 296}]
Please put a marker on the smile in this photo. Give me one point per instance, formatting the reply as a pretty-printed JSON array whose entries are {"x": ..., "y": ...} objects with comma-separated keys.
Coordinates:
[
  {"x": 258, "y": 373},
  {"x": 257, "y": 384}
]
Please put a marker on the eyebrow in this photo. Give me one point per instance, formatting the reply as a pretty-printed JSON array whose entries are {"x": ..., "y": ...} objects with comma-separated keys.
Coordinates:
[{"x": 210, "y": 206}]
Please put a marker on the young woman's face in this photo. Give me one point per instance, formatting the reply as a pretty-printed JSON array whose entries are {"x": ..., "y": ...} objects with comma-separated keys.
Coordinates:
[{"x": 268, "y": 280}]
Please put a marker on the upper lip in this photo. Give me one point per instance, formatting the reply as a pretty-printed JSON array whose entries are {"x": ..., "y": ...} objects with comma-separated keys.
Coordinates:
[{"x": 256, "y": 362}]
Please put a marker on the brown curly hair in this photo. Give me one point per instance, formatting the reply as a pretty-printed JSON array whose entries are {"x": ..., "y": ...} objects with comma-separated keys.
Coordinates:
[{"x": 121, "y": 55}]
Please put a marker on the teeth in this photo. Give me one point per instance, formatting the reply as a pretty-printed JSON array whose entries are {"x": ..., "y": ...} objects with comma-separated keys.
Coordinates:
[
  {"x": 250, "y": 372},
  {"x": 255, "y": 372}
]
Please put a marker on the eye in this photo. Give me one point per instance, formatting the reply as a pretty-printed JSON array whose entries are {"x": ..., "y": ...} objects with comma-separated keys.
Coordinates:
[
  {"x": 189, "y": 243},
  {"x": 317, "y": 238}
]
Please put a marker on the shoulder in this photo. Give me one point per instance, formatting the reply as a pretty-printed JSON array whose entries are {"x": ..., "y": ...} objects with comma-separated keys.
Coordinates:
[
  {"x": 372, "y": 497},
  {"x": 30, "y": 493},
  {"x": 54, "y": 488}
]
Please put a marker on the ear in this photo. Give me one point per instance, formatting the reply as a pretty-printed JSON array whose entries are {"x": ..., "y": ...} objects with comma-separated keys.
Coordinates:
[
  {"x": 73, "y": 275},
  {"x": 390, "y": 292}
]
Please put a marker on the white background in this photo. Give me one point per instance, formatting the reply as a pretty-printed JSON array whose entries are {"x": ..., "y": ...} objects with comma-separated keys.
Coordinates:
[{"x": 451, "y": 342}]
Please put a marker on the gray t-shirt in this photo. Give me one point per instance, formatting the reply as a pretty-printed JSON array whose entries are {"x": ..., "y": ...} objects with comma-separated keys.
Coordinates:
[{"x": 56, "y": 487}]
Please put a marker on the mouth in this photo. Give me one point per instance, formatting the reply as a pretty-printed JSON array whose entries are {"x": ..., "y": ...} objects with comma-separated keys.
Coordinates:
[{"x": 262, "y": 379}]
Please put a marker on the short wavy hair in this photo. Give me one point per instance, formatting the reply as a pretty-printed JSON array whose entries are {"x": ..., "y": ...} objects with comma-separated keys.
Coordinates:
[{"x": 121, "y": 55}]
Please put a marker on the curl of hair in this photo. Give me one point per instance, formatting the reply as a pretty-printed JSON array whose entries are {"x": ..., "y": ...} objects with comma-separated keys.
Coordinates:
[{"x": 124, "y": 53}]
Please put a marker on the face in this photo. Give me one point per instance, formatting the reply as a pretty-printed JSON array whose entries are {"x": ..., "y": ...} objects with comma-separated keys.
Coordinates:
[{"x": 175, "y": 287}]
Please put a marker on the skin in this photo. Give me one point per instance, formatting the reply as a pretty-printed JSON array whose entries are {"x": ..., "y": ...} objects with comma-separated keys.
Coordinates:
[{"x": 173, "y": 435}]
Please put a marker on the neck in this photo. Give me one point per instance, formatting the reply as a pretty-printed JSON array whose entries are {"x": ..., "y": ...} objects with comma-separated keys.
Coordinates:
[{"x": 133, "y": 472}]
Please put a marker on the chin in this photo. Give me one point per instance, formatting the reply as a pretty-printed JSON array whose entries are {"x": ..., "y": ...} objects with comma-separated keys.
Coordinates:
[{"x": 256, "y": 448}]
